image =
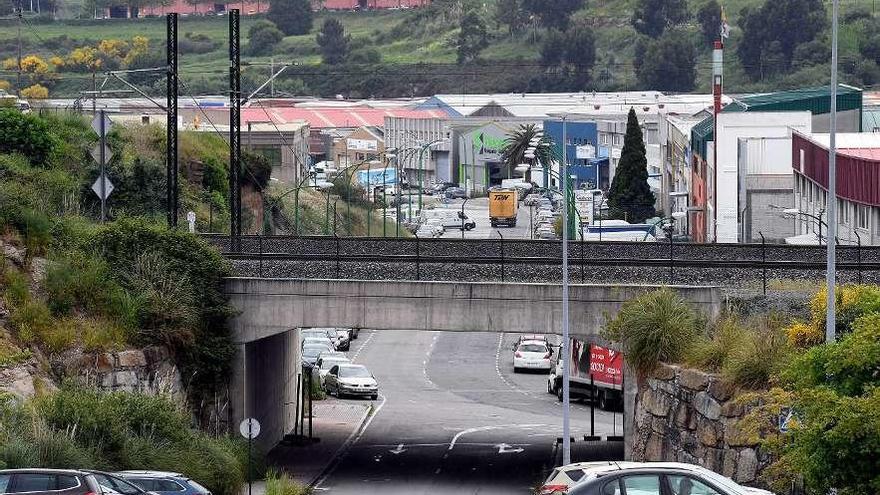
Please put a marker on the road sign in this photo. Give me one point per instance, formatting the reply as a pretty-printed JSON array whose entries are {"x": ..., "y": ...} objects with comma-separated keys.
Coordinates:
[
  {"x": 108, "y": 187},
  {"x": 249, "y": 428},
  {"x": 96, "y": 124},
  {"x": 96, "y": 153}
]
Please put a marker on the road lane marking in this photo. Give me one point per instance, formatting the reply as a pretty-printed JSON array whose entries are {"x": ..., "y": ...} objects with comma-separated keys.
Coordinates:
[
  {"x": 490, "y": 428},
  {"x": 504, "y": 448},
  {"x": 352, "y": 439},
  {"x": 398, "y": 450},
  {"x": 428, "y": 359},
  {"x": 363, "y": 346}
]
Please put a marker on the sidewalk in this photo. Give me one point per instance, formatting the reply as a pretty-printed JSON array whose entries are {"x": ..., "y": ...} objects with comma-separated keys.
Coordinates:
[{"x": 335, "y": 422}]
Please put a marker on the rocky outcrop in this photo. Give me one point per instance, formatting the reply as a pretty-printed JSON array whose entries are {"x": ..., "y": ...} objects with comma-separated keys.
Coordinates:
[
  {"x": 149, "y": 371},
  {"x": 686, "y": 415}
]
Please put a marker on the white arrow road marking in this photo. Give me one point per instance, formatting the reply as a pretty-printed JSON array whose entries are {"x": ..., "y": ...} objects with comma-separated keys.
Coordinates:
[
  {"x": 504, "y": 448},
  {"x": 398, "y": 450},
  {"x": 489, "y": 428}
]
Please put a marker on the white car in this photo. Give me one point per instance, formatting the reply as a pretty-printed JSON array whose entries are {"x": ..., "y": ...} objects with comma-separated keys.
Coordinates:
[
  {"x": 648, "y": 478},
  {"x": 564, "y": 477},
  {"x": 326, "y": 362},
  {"x": 351, "y": 379},
  {"x": 331, "y": 345},
  {"x": 532, "y": 355}
]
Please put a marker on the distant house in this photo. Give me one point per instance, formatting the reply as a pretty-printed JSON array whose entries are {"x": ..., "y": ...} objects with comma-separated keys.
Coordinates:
[
  {"x": 368, "y": 4},
  {"x": 252, "y": 7}
]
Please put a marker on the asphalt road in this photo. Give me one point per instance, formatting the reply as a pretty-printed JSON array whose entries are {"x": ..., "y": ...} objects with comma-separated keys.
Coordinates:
[
  {"x": 477, "y": 209},
  {"x": 453, "y": 418}
]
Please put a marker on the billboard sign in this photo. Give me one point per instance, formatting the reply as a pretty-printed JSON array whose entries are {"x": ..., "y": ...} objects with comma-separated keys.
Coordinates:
[
  {"x": 606, "y": 365},
  {"x": 377, "y": 177},
  {"x": 363, "y": 144}
]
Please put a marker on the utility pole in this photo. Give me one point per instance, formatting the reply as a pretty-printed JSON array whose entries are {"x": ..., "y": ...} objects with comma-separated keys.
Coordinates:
[
  {"x": 234, "y": 128},
  {"x": 831, "y": 269},
  {"x": 171, "y": 120},
  {"x": 18, "y": 67}
]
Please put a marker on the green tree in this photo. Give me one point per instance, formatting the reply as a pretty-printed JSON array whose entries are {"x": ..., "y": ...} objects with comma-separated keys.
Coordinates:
[
  {"x": 772, "y": 32},
  {"x": 509, "y": 13},
  {"x": 653, "y": 17},
  {"x": 580, "y": 48},
  {"x": 333, "y": 41},
  {"x": 263, "y": 37},
  {"x": 553, "y": 48},
  {"x": 630, "y": 195},
  {"x": 519, "y": 141},
  {"x": 293, "y": 17},
  {"x": 553, "y": 14},
  {"x": 667, "y": 64},
  {"x": 472, "y": 37},
  {"x": 709, "y": 19}
]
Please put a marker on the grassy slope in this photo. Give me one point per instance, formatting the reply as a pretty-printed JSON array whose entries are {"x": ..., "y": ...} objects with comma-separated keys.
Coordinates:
[{"x": 400, "y": 40}]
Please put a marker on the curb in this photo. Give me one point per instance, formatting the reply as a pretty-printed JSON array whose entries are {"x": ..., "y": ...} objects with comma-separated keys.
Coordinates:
[{"x": 340, "y": 452}]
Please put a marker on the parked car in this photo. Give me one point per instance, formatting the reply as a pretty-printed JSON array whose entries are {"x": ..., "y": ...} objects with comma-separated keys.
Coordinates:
[
  {"x": 658, "y": 478},
  {"x": 351, "y": 379},
  {"x": 48, "y": 482},
  {"x": 324, "y": 364},
  {"x": 533, "y": 355},
  {"x": 443, "y": 186},
  {"x": 564, "y": 477},
  {"x": 530, "y": 337},
  {"x": 111, "y": 483},
  {"x": 329, "y": 344},
  {"x": 532, "y": 199},
  {"x": 311, "y": 352},
  {"x": 332, "y": 354},
  {"x": 455, "y": 193},
  {"x": 163, "y": 483},
  {"x": 343, "y": 339}
]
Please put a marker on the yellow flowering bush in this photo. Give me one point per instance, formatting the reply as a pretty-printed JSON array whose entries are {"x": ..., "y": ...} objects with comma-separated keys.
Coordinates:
[{"x": 35, "y": 92}]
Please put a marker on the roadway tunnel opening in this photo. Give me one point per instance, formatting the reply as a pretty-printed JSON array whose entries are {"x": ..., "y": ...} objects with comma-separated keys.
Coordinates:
[{"x": 451, "y": 412}]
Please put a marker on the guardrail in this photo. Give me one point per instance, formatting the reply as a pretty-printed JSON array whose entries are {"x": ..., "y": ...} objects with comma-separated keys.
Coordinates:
[{"x": 675, "y": 258}]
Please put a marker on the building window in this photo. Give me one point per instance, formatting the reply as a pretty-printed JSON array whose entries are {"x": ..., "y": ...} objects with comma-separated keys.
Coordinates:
[
  {"x": 862, "y": 218},
  {"x": 842, "y": 212}
]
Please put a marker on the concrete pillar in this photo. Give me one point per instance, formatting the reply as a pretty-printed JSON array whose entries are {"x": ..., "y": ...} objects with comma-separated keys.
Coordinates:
[
  {"x": 264, "y": 386},
  {"x": 237, "y": 388},
  {"x": 630, "y": 391}
]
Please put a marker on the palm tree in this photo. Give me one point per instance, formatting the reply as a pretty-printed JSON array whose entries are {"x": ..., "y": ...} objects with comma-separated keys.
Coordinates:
[{"x": 528, "y": 144}]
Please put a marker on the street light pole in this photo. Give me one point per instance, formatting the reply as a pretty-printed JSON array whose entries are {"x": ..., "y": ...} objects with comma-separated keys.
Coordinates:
[
  {"x": 566, "y": 350},
  {"x": 831, "y": 269}
]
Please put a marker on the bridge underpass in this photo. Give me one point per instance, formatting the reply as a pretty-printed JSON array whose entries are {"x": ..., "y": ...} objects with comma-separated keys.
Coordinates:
[{"x": 399, "y": 313}]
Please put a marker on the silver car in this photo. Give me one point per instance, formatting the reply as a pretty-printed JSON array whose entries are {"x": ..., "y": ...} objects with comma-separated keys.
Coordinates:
[{"x": 351, "y": 379}]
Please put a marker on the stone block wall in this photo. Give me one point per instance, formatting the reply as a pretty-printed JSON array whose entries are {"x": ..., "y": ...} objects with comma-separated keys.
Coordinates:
[
  {"x": 150, "y": 370},
  {"x": 686, "y": 415}
]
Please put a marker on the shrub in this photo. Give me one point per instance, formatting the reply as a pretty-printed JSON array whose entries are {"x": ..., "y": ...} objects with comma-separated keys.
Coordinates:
[
  {"x": 98, "y": 335},
  {"x": 759, "y": 358},
  {"x": 802, "y": 335},
  {"x": 655, "y": 327},
  {"x": 36, "y": 228},
  {"x": 32, "y": 320},
  {"x": 17, "y": 287},
  {"x": 26, "y": 134},
  {"x": 727, "y": 335},
  {"x": 282, "y": 484},
  {"x": 263, "y": 37}
]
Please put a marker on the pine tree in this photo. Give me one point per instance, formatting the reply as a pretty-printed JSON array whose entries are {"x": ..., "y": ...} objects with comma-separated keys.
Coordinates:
[
  {"x": 293, "y": 17},
  {"x": 333, "y": 41},
  {"x": 630, "y": 195},
  {"x": 472, "y": 38}
]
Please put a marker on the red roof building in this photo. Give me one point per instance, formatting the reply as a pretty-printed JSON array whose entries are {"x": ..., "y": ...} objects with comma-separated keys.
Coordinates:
[{"x": 858, "y": 184}]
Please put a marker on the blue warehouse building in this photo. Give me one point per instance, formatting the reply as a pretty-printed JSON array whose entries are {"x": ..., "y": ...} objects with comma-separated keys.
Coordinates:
[{"x": 588, "y": 162}]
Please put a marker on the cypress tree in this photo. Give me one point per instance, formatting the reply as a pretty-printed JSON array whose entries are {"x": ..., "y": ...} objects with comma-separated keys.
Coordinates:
[{"x": 630, "y": 196}]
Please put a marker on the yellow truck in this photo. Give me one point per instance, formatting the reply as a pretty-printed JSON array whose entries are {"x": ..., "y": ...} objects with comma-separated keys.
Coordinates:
[{"x": 503, "y": 205}]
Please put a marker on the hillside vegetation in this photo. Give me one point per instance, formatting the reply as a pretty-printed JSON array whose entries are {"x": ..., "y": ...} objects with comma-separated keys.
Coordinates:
[{"x": 416, "y": 52}]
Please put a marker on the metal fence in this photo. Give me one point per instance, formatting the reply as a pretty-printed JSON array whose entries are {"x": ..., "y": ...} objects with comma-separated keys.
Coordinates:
[{"x": 517, "y": 260}]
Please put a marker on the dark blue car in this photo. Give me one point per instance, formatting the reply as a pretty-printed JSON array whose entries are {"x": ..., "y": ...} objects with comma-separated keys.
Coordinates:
[{"x": 163, "y": 483}]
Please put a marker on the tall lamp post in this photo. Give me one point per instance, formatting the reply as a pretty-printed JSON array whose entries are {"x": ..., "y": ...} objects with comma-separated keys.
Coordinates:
[
  {"x": 831, "y": 269},
  {"x": 566, "y": 346}
]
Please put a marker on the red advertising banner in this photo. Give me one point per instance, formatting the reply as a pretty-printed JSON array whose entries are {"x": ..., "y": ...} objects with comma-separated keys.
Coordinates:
[{"x": 606, "y": 365}]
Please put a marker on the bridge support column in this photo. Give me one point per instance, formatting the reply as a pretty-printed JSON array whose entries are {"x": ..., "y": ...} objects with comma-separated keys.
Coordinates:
[{"x": 264, "y": 385}]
